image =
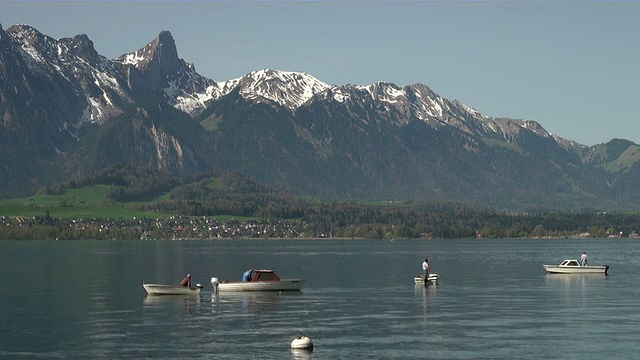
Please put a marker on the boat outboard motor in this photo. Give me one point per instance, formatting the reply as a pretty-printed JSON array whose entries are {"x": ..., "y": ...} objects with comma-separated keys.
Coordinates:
[
  {"x": 199, "y": 286},
  {"x": 214, "y": 283}
]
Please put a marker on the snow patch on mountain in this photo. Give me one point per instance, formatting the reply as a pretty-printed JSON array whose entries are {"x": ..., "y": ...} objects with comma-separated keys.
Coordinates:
[
  {"x": 472, "y": 111},
  {"x": 293, "y": 89},
  {"x": 25, "y": 36},
  {"x": 430, "y": 107},
  {"x": 138, "y": 58},
  {"x": 132, "y": 59},
  {"x": 64, "y": 59},
  {"x": 287, "y": 88},
  {"x": 191, "y": 103}
]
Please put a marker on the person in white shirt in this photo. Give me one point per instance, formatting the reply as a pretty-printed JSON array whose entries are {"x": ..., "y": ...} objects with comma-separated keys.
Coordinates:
[
  {"x": 584, "y": 258},
  {"x": 426, "y": 269}
]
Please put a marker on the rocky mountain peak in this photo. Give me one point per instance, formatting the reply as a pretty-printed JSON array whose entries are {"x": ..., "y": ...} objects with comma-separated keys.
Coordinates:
[
  {"x": 156, "y": 74},
  {"x": 161, "y": 53},
  {"x": 26, "y": 33},
  {"x": 32, "y": 44},
  {"x": 82, "y": 47},
  {"x": 163, "y": 50}
]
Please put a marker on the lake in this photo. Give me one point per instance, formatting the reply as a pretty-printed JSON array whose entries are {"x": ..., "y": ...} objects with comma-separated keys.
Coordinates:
[{"x": 84, "y": 299}]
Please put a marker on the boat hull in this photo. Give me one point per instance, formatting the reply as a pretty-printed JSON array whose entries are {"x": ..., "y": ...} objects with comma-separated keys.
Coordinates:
[
  {"x": 433, "y": 279},
  {"x": 597, "y": 269},
  {"x": 159, "y": 289},
  {"x": 282, "y": 285}
]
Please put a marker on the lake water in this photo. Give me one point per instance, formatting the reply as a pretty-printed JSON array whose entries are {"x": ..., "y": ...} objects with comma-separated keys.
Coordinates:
[{"x": 84, "y": 299}]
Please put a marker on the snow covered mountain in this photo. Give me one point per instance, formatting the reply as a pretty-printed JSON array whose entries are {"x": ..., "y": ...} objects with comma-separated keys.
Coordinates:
[
  {"x": 156, "y": 69},
  {"x": 74, "y": 111}
]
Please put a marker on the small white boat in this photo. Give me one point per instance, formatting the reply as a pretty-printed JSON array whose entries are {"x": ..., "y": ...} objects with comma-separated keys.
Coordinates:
[
  {"x": 574, "y": 267},
  {"x": 158, "y": 289},
  {"x": 432, "y": 280},
  {"x": 262, "y": 280}
]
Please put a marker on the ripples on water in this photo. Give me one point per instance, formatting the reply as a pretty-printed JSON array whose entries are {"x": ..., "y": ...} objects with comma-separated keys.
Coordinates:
[{"x": 493, "y": 301}]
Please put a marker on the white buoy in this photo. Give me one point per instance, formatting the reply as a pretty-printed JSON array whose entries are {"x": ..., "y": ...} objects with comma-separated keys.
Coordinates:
[
  {"x": 214, "y": 283},
  {"x": 302, "y": 342}
]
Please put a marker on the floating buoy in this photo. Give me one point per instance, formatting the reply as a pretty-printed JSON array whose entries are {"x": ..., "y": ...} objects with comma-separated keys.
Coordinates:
[
  {"x": 214, "y": 283},
  {"x": 302, "y": 342}
]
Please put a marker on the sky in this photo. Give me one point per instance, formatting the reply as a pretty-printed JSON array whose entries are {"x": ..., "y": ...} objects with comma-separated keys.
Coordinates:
[{"x": 574, "y": 67}]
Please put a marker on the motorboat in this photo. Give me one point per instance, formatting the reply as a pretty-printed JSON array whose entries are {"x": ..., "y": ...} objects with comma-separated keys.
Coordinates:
[
  {"x": 159, "y": 289},
  {"x": 432, "y": 280},
  {"x": 261, "y": 280},
  {"x": 574, "y": 267}
]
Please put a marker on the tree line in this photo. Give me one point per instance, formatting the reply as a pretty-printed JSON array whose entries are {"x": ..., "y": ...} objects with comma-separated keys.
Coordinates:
[{"x": 234, "y": 195}]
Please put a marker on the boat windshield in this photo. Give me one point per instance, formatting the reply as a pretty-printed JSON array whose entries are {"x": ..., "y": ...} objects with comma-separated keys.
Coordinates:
[
  {"x": 265, "y": 276},
  {"x": 570, "y": 263}
]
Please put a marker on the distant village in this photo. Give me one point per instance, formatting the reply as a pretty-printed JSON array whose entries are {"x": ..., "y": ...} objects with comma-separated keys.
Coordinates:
[
  {"x": 146, "y": 228},
  {"x": 182, "y": 228}
]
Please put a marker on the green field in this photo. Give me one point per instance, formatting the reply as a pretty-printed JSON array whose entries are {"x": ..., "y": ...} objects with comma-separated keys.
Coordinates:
[
  {"x": 216, "y": 183},
  {"x": 86, "y": 202}
]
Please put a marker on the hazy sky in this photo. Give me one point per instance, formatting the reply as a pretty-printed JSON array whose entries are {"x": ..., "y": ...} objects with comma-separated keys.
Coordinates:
[{"x": 574, "y": 67}]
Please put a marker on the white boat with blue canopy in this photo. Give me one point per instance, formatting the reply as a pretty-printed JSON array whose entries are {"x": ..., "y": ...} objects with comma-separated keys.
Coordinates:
[{"x": 261, "y": 280}]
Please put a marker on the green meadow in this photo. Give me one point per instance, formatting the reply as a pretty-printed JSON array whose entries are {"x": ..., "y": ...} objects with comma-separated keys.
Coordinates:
[{"x": 86, "y": 202}]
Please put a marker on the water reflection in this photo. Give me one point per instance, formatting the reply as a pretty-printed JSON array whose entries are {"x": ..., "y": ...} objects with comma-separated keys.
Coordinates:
[
  {"x": 425, "y": 292},
  {"x": 571, "y": 280},
  {"x": 187, "y": 302},
  {"x": 154, "y": 300},
  {"x": 301, "y": 354},
  {"x": 253, "y": 296},
  {"x": 251, "y": 301},
  {"x": 574, "y": 287}
]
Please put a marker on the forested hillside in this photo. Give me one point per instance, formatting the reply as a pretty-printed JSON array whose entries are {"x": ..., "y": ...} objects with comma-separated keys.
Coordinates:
[{"x": 241, "y": 206}]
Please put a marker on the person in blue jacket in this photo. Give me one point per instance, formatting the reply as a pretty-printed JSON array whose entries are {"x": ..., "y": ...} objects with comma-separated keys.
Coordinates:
[{"x": 246, "y": 276}]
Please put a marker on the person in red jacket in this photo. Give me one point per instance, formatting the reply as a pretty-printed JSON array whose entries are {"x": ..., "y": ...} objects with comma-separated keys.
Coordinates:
[{"x": 186, "y": 281}]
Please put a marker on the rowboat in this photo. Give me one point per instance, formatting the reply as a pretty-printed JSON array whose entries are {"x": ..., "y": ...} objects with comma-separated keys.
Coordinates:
[
  {"x": 432, "y": 280},
  {"x": 159, "y": 289},
  {"x": 574, "y": 267},
  {"x": 262, "y": 280}
]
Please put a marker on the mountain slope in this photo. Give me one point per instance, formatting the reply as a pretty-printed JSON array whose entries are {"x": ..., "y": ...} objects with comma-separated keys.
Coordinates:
[{"x": 68, "y": 112}]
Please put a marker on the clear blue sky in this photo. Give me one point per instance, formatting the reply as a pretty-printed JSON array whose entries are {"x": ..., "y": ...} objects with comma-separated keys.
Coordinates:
[{"x": 574, "y": 67}]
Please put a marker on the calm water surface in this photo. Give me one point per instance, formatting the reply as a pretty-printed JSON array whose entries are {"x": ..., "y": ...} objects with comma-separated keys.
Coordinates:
[{"x": 84, "y": 299}]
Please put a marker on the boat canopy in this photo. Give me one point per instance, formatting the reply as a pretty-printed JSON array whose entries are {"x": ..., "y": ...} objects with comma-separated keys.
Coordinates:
[
  {"x": 265, "y": 275},
  {"x": 570, "y": 263}
]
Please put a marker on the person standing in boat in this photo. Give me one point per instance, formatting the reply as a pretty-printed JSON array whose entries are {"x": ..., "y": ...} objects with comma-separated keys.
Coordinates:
[
  {"x": 426, "y": 269},
  {"x": 246, "y": 276},
  {"x": 584, "y": 259},
  {"x": 186, "y": 282}
]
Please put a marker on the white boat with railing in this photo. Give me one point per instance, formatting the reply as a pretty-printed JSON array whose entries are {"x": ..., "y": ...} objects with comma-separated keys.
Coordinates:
[{"x": 574, "y": 267}]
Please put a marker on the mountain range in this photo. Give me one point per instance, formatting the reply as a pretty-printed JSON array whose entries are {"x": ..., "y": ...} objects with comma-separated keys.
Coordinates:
[{"x": 68, "y": 112}]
